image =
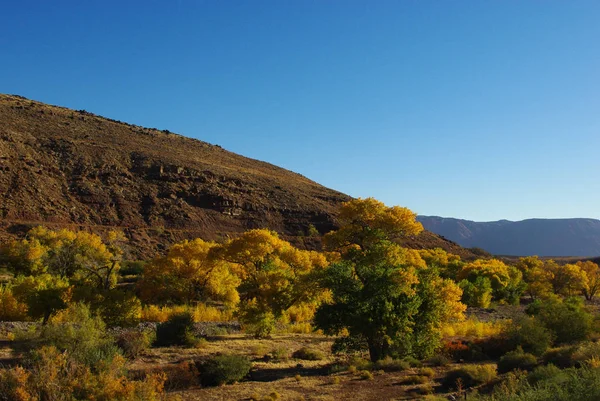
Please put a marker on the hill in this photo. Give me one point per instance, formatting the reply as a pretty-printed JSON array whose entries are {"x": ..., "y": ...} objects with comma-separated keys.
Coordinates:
[
  {"x": 67, "y": 168},
  {"x": 542, "y": 237}
]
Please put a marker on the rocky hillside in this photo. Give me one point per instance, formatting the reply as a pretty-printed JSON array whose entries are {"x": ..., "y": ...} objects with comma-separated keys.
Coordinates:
[
  {"x": 66, "y": 168},
  {"x": 542, "y": 237}
]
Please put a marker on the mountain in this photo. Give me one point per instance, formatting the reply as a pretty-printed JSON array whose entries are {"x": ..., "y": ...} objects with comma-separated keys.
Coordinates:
[
  {"x": 542, "y": 237},
  {"x": 67, "y": 168}
]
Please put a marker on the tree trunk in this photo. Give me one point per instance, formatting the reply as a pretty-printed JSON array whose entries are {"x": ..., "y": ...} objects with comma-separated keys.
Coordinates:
[{"x": 378, "y": 349}]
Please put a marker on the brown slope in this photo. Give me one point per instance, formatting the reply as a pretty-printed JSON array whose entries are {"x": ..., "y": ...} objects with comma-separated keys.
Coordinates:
[{"x": 66, "y": 168}]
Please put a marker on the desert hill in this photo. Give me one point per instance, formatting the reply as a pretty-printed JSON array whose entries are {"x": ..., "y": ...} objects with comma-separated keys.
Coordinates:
[
  {"x": 67, "y": 168},
  {"x": 542, "y": 237}
]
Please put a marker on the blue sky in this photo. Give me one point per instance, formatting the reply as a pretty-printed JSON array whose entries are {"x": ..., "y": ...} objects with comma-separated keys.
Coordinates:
[{"x": 472, "y": 109}]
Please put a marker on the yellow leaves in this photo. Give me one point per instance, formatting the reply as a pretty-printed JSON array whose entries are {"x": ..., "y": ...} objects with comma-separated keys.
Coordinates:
[
  {"x": 568, "y": 279},
  {"x": 80, "y": 256},
  {"x": 10, "y": 308},
  {"x": 370, "y": 212},
  {"x": 493, "y": 269},
  {"x": 592, "y": 272},
  {"x": 364, "y": 219},
  {"x": 451, "y": 294},
  {"x": 191, "y": 271}
]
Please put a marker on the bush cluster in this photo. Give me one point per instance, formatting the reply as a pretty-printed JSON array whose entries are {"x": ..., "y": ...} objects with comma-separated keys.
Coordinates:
[{"x": 224, "y": 369}]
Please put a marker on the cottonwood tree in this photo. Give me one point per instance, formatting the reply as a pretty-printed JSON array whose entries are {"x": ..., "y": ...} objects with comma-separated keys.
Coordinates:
[
  {"x": 274, "y": 276},
  {"x": 189, "y": 272},
  {"x": 383, "y": 295},
  {"x": 506, "y": 281},
  {"x": 592, "y": 284}
]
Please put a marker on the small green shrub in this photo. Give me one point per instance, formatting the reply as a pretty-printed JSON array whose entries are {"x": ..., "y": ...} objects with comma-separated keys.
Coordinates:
[
  {"x": 516, "y": 360},
  {"x": 279, "y": 354},
  {"x": 83, "y": 337},
  {"x": 586, "y": 352},
  {"x": 308, "y": 354},
  {"x": 561, "y": 357},
  {"x": 568, "y": 320},
  {"x": 470, "y": 375},
  {"x": 415, "y": 379},
  {"x": 134, "y": 343},
  {"x": 413, "y": 362},
  {"x": 360, "y": 363},
  {"x": 178, "y": 330},
  {"x": 427, "y": 372},
  {"x": 542, "y": 373},
  {"x": 439, "y": 360},
  {"x": 392, "y": 365},
  {"x": 224, "y": 369},
  {"x": 530, "y": 334}
]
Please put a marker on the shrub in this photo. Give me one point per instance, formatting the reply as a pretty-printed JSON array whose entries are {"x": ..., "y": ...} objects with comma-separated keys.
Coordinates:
[
  {"x": 279, "y": 354},
  {"x": 529, "y": 334},
  {"x": 178, "y": 330},
  {"x": 427, "y": 372},
  {"x": 134, "y": 343},
  {"x": 439, "y": 360},
  {"x": 413, "y": 362},
  {"x": 415, "y": 379},
  {"x": 561, "y": 357},
  {"x": 10, "y": 308},
  {"x": 308, "y": 354},
  {"x": 516, "y": 360},
  {"x": 83, "y": 337},
  {"x": 224, "y": 369},
  {"x": 586, "y": 352},
  {"x": 366, "y": 375},
  {"x": 53, "y": 375},
  {"x": 360, "y": 363},
  {"x": 568, "y": 320},
  {"x": 568, "y": 385},
  {"x": 542, "y": 373},
  {"x": 470, "y": 375},
  {"x": 392, "y": 365},
  {"x": 182, "y": 376}
]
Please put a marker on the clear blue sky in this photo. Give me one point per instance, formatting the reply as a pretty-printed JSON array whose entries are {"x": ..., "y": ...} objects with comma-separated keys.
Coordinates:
[{"x": 472, "y": 109}]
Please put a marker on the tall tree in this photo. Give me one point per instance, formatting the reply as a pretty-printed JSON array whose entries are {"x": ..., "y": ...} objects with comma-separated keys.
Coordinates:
[{"x": 385, "y": 296}]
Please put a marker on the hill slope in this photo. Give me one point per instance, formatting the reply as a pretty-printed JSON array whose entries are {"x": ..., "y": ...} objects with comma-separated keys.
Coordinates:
[
  {"x": 66, "y": 168},
  {"x": 543, "y": 237}
]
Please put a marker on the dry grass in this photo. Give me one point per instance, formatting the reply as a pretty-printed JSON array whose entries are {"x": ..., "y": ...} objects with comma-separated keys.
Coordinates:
[{"x": 291, "y": 379}]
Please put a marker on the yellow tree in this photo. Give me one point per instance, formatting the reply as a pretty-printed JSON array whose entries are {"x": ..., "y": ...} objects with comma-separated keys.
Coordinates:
[
  {"x": 506, "y": 281},
  {"x": 383, "y": 295},
  {"x": 536, "y": 275},
  {"x": 567, "y": 279},
  {"x": 274, "y": 276},
  {"x": 592, "y": 284},
  {"x": 448, "y": 264},
  {"x": 76, "y": 255},
  {"x": 189, "y": 272}
]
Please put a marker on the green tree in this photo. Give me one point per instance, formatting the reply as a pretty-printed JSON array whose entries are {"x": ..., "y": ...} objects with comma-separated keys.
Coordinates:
[{"x": 384, "y": 295}]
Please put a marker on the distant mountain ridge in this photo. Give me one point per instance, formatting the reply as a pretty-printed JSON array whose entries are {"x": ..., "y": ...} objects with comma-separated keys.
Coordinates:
[{"x": 542, "y": 237}]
